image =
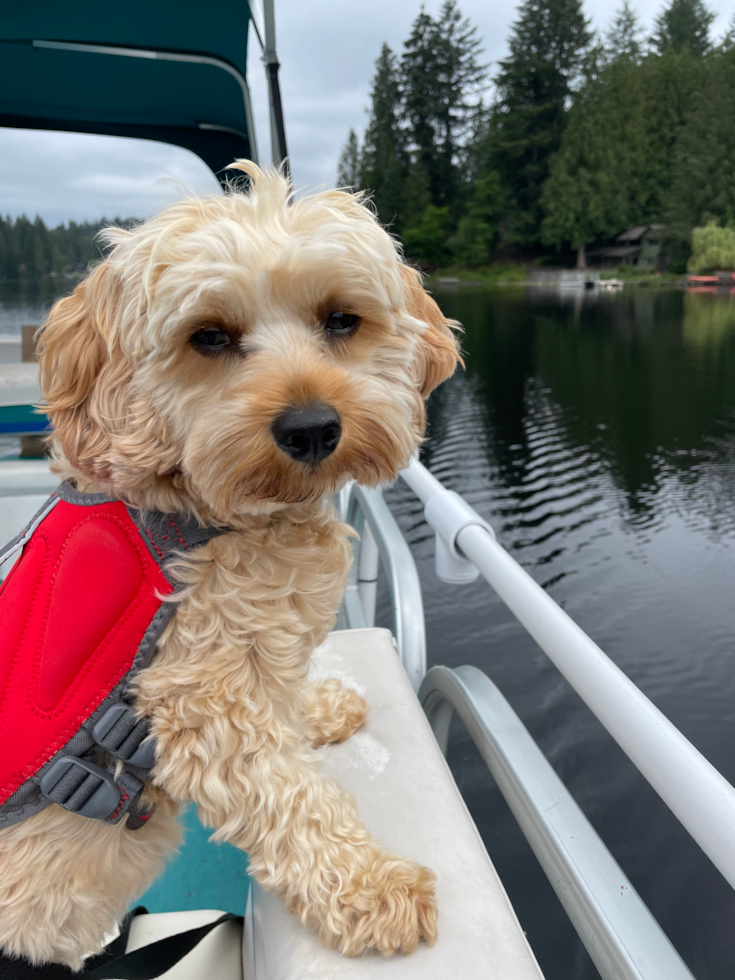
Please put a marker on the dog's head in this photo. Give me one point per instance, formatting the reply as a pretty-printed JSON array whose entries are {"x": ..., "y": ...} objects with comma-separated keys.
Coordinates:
[{"x": 237, "y": 354}]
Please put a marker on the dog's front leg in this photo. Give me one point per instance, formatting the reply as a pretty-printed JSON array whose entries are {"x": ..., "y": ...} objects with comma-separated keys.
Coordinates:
[{"x": 261, "y": 788}]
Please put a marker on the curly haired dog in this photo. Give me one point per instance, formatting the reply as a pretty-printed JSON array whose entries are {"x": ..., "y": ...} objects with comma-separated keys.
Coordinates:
[{"x": 238, "y": 358}]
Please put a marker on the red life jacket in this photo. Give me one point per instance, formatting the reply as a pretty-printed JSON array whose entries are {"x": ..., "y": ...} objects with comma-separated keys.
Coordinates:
[{"x": 81, "y": 612}]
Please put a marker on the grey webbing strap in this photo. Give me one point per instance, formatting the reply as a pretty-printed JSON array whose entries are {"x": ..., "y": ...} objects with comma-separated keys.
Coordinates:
[
  {"x": 82, "y": 787},
  {"x": 168, "y": 536}
]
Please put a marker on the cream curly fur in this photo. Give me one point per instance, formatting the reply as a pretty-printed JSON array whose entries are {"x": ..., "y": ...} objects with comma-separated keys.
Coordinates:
[{"x": 139, "y": 412}]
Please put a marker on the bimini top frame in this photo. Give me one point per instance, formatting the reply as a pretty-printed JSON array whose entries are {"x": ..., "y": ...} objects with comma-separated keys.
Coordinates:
[{"x": 175, "y": 72}]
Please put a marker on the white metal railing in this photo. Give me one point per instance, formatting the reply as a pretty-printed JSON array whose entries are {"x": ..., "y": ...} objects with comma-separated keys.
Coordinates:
[
  {"x": 381, "y": 538},
  {"x": 622, "y": 937},
  {"x": 698, "y": 795}
]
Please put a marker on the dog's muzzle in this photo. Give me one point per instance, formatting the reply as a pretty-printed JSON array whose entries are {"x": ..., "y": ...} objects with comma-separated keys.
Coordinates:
[{"x": 309, "y": 433}]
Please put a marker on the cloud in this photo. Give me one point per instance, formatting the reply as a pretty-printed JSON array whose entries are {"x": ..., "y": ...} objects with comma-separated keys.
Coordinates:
[
  {"x": 78, "y": 176},
  {"x": 327, "y": 49}
]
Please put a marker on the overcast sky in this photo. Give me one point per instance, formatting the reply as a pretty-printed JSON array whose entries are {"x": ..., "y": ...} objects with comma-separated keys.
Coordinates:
[{"x": 327, "y": 49}]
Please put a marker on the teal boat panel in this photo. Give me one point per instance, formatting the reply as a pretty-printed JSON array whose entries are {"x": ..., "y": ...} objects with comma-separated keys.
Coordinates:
[
  {"x": 203, "y": 875},
  {"x": 21, "y": 420},
  {"x": 150, "y": 80}
]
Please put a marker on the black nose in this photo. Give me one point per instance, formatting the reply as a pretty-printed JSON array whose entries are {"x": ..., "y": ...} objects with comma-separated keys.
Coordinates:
[{"x": 308, "y": 434}]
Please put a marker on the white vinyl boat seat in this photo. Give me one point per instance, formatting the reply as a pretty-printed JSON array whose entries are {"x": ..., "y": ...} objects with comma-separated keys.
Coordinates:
[{"x": 409, "y": 800}]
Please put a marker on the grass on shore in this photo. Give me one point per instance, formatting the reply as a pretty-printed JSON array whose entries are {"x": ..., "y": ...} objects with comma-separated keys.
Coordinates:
[{"x": 508, "y": 273}]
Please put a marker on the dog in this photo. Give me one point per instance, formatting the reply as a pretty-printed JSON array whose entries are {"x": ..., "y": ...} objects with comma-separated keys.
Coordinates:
[{"x": 238, "y": 359}]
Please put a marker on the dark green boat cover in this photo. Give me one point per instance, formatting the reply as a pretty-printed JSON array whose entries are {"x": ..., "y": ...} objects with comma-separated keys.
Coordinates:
[{"x": 153, "y": 69}]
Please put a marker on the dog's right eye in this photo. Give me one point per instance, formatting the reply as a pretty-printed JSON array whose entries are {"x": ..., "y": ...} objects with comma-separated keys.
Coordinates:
[{"x": 212, "y": 340}]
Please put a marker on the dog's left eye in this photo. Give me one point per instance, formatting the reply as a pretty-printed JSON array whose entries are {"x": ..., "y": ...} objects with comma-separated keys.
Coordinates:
[
  {"x": 212, "y": 340},
  {"x": 341, "y": 324}
]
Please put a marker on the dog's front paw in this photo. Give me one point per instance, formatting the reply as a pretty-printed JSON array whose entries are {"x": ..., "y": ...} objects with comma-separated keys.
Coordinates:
[
  {"x": 389, "y": 906},
  {"x": 333, "y": 712}
]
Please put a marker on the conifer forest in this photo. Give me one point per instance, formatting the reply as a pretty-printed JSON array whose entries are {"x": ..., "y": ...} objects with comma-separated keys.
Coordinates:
[
  {"x": 558, "y": 148},
  {"x": 30, "y": 250}
]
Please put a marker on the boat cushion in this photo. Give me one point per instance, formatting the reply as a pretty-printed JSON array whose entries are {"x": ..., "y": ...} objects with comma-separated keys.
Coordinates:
[{"x": 409, "y": 800}]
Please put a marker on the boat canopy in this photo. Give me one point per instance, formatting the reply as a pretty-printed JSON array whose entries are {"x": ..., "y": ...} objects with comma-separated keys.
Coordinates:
[{"x": 172, "y": 71}]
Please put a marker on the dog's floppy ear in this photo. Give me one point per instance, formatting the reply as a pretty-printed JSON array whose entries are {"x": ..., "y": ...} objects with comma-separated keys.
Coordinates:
[
  {"x": 437, "y": 354},
  {"x": 72, "y": 350}
]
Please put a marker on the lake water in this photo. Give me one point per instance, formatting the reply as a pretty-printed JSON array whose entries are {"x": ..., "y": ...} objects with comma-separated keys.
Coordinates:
[{"x": 596, "y": 432}]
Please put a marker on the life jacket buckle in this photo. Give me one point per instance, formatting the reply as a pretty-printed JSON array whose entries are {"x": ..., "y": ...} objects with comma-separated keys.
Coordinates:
[
  {"x": 125, "y": 736},
  {"x": 81, "y": 787}
]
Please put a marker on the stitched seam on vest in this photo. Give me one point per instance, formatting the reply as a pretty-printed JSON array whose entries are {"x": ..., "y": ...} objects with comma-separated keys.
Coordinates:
[
  {"x": 71, "y": 496},
  {"x": 123, "y": 800},
  {"x": 153, "y": 543},
  {"x": 175, "y": 526},
  {"x": 91, "y": 661},
  {"x": 163, "y": 538}
]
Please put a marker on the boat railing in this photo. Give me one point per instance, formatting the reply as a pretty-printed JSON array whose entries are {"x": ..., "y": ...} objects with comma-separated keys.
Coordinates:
[
  {"x": 624, "y": 940},
  {"x": 619, "y": 938},
  {"x": 380, "y": 540}
]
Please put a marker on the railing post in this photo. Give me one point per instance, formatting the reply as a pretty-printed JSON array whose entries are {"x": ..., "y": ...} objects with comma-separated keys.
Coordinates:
[
  {"x": 366, "y": 510},
  {"x": 367, "y": 575}
]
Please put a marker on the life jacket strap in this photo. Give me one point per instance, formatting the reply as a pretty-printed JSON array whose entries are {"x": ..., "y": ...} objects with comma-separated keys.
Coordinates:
[
  {"x": 121, "y": 733},
  {"x": 83, "y": 787}
]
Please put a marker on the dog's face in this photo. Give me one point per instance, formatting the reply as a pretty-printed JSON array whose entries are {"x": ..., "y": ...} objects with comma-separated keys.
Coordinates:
[{"x": 245, "y": 353}]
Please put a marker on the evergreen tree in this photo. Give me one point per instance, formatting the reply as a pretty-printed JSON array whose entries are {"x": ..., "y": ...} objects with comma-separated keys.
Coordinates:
[
  {"x": 624, "y": 40},
  {"x": 441, "y": 79},
  {"x": 417, "y": 195},
  {"x": 43, "y": 256},
  {"x": 348, "y": 166},
  {"x": 547, "y": 47},
  {"x": 703, "y": 160},
  {"x": 461, "y": 77},
  {"x": 673, "y": 84},
  {"x": 419, "y": 82},
  {"x": 616, "y": 165},
  {"x": 592, "y": 179},
  {"x": 684, "y": 23},
  {"x": 384, "y": 160},
  {"x": 29, "y": 250},
  {"x": 428, "y": 239},
  {"x": 479, "y": 227}
]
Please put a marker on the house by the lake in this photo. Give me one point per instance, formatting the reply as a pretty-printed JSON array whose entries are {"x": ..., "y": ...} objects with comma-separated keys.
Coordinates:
[{"x": 640, "y": 246}]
